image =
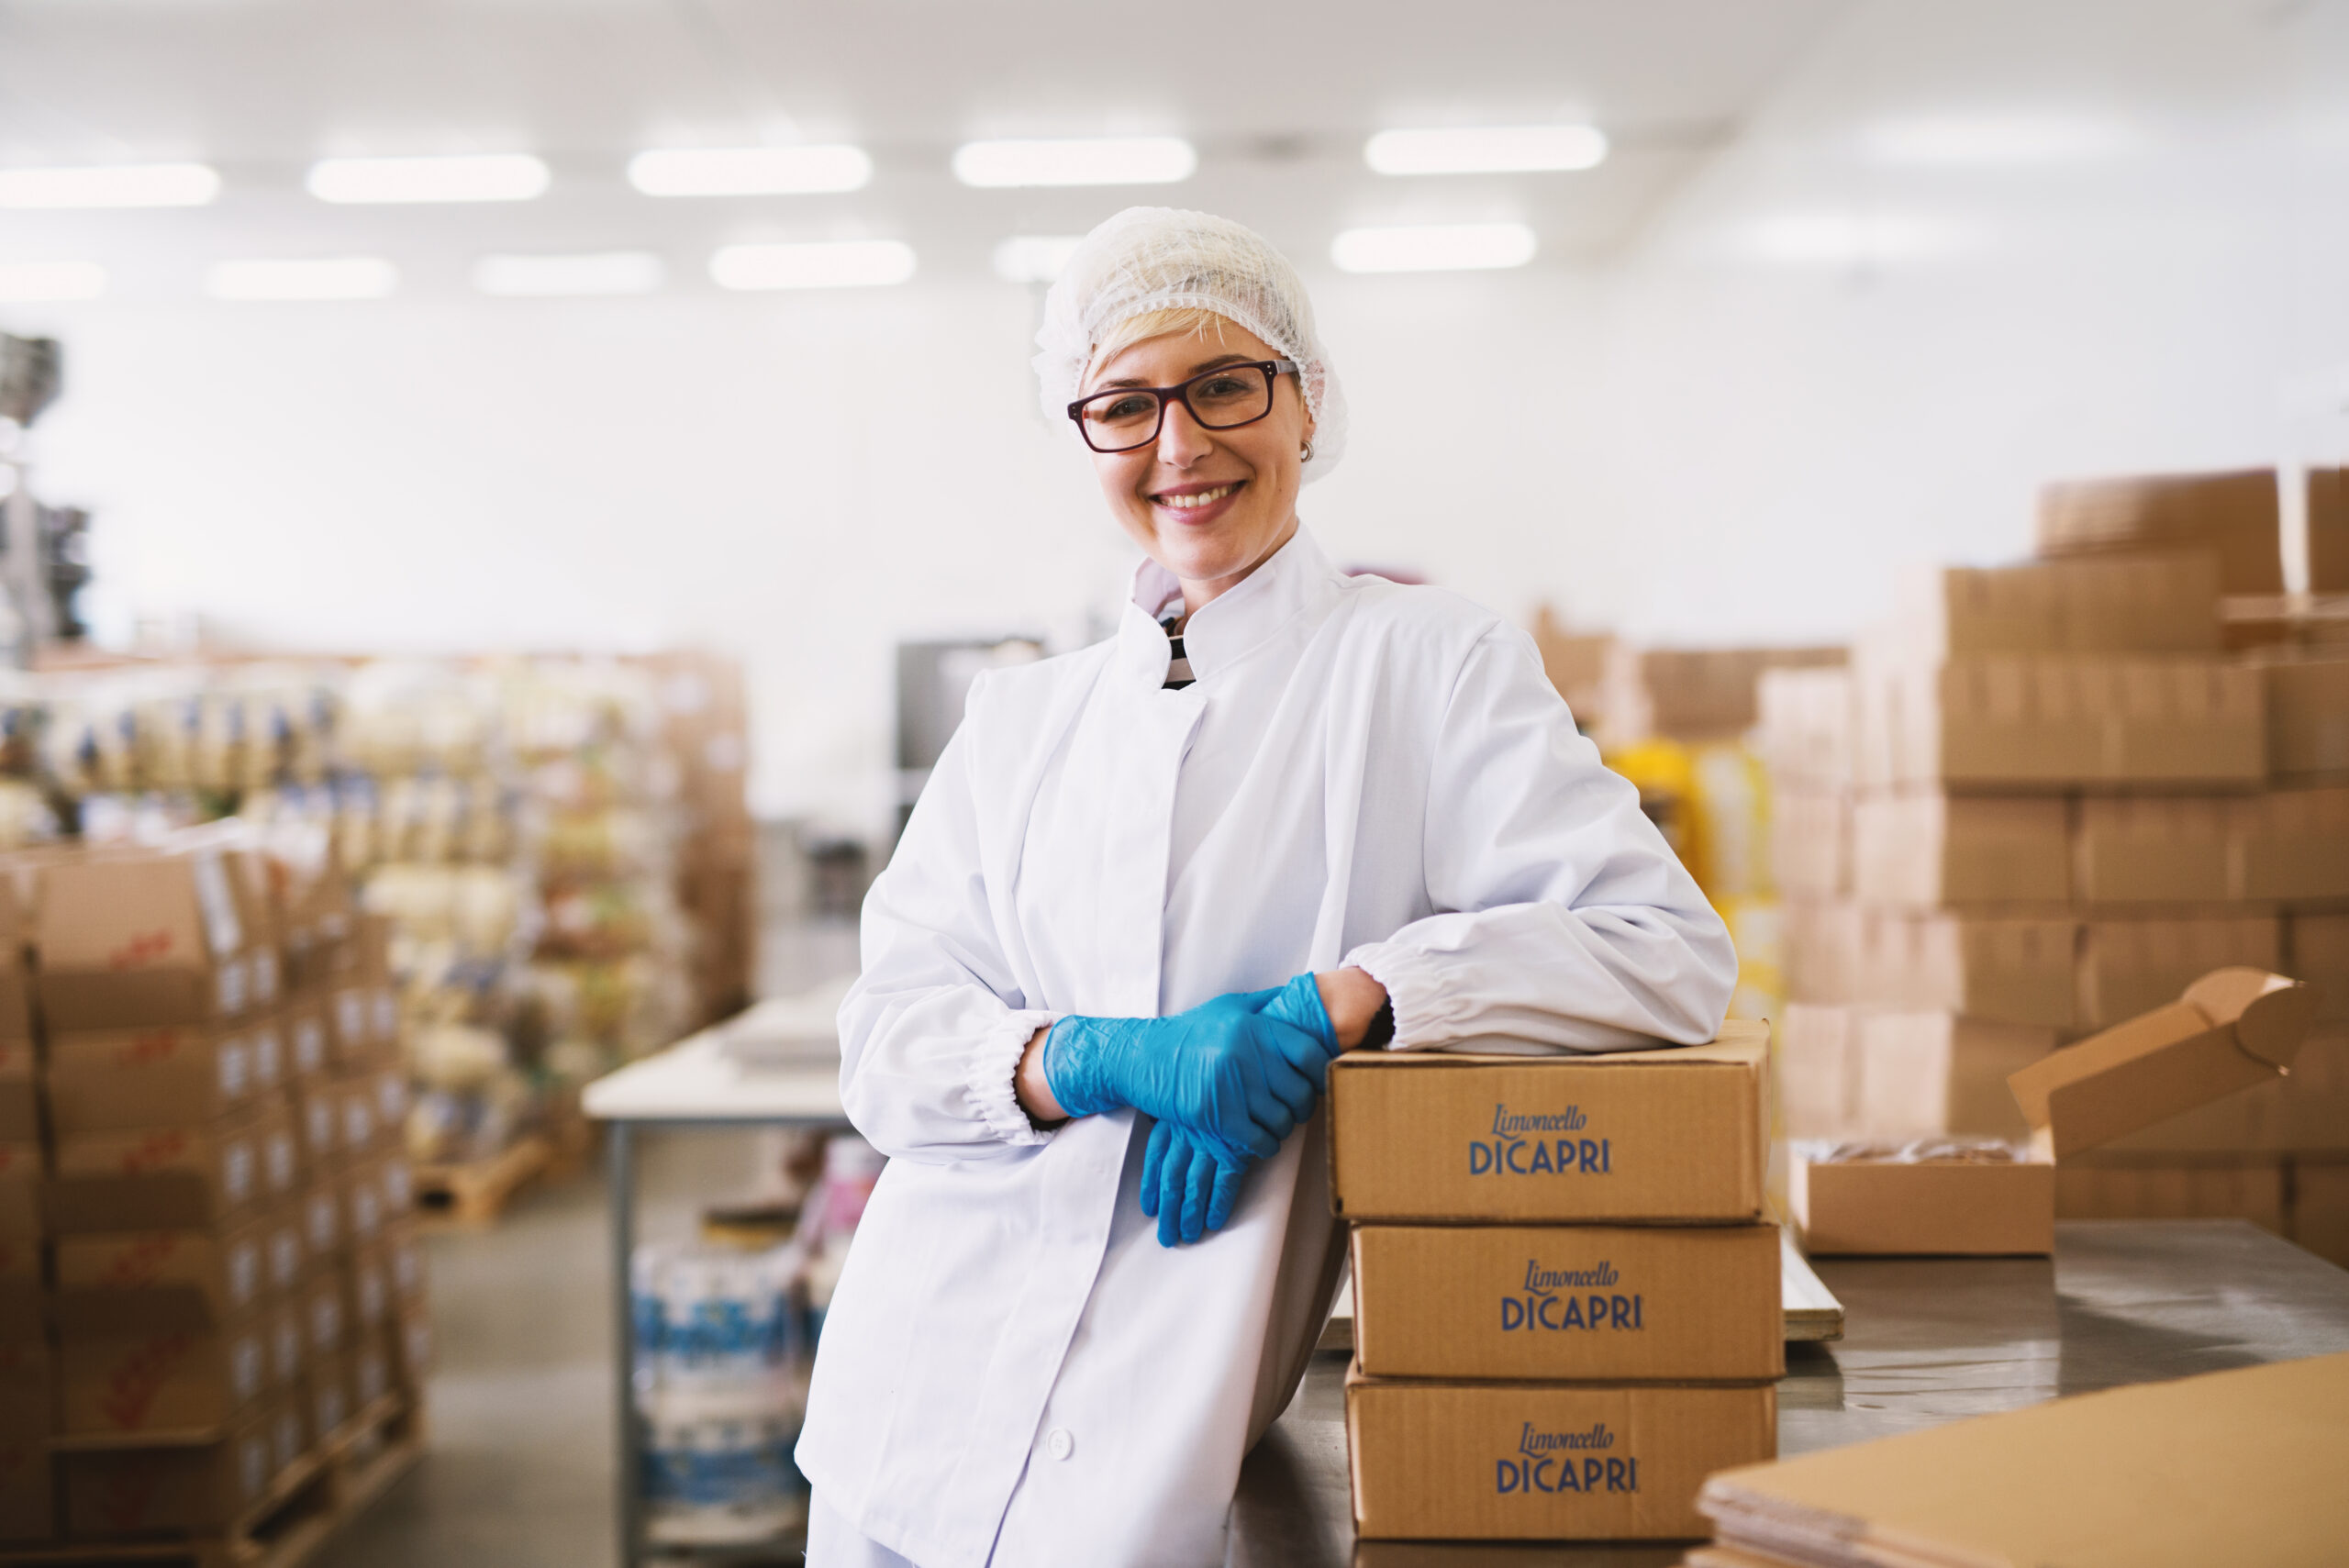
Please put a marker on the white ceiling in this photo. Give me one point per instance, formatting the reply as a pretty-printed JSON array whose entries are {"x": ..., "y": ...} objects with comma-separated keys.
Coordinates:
[{"x": 1278, "y": 98}]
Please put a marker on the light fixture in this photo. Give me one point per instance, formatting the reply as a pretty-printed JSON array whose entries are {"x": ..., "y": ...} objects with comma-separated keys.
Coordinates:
[
  {"x": 749, "y": 170},
  {"x": 1098, "y": 160},
  {"x": 491, "y": 177},
  {"x": 30, "y": 283},
  {"x": 317, "y": 278},
  {"x": 1486, "y": 149},
  {"x": 110, "y": 185},
  {"x": 594, "y": 273},
  {"x": 851, "y": 263},
  {"x": 1034, "y": 257},
  {"x": 1433, "y": 248}
]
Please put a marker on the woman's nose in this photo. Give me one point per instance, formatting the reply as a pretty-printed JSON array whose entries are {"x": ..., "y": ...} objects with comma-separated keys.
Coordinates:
[{"x": 1181, "y": 441}]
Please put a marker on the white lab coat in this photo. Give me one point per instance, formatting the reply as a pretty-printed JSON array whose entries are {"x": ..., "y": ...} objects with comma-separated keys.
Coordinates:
[{"x": 1013, "y": 1370}]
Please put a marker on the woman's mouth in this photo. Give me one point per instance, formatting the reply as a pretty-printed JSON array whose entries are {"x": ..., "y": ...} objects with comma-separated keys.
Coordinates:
[{"x": 1196, "y": 507}]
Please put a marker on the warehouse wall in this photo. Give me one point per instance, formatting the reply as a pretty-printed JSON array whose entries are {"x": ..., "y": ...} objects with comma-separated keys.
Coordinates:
[{"x": 1819, "y": 364}]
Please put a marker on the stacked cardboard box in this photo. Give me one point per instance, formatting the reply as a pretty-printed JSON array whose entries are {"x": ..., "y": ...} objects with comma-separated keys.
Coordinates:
[
  {"x": 705, "y": 729},
  {"x": 2046, "y": 801},
  {"x": 219, "y": 1069},
  {"x": 1566, "y": 1303},
  {"x": 28, "y": 1362}
]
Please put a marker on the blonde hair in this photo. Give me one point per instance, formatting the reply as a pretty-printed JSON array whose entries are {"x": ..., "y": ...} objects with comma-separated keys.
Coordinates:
[{"x": 1123, "y": 335}]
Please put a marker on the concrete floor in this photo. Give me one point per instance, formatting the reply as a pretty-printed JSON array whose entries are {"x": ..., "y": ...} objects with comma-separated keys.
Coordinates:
[{"x": 518, "y": 1468}]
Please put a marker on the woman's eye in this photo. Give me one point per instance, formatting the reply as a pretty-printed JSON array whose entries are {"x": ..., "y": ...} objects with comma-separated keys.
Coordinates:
[
  {"x": 1222, "y": 388},
  {"x": 1122, "y": 408}
]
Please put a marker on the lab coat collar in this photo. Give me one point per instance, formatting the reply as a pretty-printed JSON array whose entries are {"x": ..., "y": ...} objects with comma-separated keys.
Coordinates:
[{"x": 1296, "y": 577}]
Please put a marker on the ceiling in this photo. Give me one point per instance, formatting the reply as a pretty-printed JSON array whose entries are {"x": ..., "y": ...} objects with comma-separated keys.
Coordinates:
[{"x": 1277, "y": 98}]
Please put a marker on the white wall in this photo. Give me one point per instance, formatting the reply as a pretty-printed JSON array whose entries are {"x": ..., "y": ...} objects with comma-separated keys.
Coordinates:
[{"x": 1739, "y": 430}]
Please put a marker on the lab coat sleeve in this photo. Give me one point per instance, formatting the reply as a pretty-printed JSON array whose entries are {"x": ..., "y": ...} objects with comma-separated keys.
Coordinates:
[
  {"x": 1563, "y": 917},
  {"x": 933, "y": 1028}
]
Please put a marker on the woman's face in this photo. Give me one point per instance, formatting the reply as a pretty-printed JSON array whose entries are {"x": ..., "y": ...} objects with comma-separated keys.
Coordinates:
[{"x": 1208, "y": 505}]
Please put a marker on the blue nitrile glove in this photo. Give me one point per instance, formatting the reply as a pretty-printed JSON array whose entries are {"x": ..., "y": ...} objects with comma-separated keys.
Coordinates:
[
  {"x": 1222, "y": 1070},
  {"x": 1187, "y": 1190}
]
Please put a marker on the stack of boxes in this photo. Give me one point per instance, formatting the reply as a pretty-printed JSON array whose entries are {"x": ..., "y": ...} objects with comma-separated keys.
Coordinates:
[
  {"x": 1566, "y": 1300},
  {"x": 27, "y": 1366},
  {"x": 224, "y": 1268},
  {"x": 705, "y": 728},
  {"x": 2046, "y": 799}
]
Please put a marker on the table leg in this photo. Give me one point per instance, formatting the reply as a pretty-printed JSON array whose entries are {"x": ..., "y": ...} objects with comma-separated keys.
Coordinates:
[{"x": 620, "y": 1193}]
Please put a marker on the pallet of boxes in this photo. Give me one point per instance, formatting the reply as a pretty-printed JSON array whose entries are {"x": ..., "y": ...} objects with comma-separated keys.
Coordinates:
[
  {"x": 2048, "y": 799},
  {"x": 230, "y": 1324},
  {"x": 1567, "y": 1299}
]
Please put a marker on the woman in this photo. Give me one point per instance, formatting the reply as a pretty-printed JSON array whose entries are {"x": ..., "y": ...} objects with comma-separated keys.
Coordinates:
[{"x": 1150, "y": 888}]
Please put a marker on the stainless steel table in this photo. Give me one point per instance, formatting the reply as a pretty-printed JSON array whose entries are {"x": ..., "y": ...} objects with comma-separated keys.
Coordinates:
[{"x": 1925, "y": 1340}]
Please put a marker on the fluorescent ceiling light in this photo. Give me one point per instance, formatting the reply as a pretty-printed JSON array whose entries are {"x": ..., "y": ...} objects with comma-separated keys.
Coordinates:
[
  {"x": 2000, "y": 141},
  {"x": 1034, "y": 257},
  {"x": 854, "y": 263},
  {"x": 1486, "y": 149},
  {"x": 115, "y": 185},
  {"x": 749, "y": 170},
  {"x": 1101, "y": 161},
  {"x": 332, "y": 277},
  {"x": 1433, "y": 248},
  {"x": 28, "y": 283},
  {"x": 495, "y": 177},
  {"x": 598, "y": 273}
]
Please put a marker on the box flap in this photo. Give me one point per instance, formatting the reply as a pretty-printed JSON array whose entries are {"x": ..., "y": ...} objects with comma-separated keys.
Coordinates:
[
  {"x": 1741, "y": 1043},
  {"x": 2235, "y": 1028}
]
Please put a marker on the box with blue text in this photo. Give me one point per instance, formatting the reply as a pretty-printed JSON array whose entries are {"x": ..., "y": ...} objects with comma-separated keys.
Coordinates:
[
  {"x": 1668, "y": 1303},
  {"x": 1545, "y": 1461},
  {"x": 1677, "y": 1135}
]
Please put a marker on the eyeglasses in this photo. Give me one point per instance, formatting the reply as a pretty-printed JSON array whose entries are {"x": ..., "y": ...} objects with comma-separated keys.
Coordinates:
[{"x": 1224, "y": 398}]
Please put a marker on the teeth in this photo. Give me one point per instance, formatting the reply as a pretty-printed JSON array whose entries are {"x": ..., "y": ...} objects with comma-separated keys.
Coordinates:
[{"x": 1184, "y": 503}]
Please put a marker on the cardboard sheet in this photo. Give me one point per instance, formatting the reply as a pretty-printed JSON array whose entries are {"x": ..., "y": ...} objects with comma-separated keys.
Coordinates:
[{"x": 2229, "y": 1467}]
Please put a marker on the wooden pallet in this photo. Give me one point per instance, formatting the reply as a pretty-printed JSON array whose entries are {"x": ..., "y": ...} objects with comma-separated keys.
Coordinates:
[
  {"x": 471, "y": 1195},
  {"x": 306, "y": 1506}
]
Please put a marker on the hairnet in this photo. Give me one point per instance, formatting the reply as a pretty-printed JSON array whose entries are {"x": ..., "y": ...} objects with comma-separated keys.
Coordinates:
[{"x": 1155, "y": 258}]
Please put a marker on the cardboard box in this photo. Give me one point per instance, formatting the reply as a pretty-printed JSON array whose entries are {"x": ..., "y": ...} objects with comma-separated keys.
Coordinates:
[
  {"x": 1578, "y": 1303},
  {"x": 364, "y": 1212},
  {"x": 2127, "y": 967},
  {"x": 2235, "y": 516},
  {"x": 128, "y": 940},
  {"x": 24, "y": 1303},
  {"x": 366, "y": 1279},
  {"x": 350, "y": 1028},
  {"x": 1545, "y": 1461},
  {"x": 161, "y": 1381},
  {"x": 2011, "y": 969},
  {"x": 22, "y": 1185},
  {"x": 326, "y": 1394},
  {"x": 199, "y": 1489},
  {"x": 2291, "y": 846},
  {"x": 19, "y": 1094},
  {"x": 309, "y": 1053},
  {"x": 2320, "y": 955},
  {"x": 1936, "y": 1197},
  {"x": 1921, "y": 1074},
  {"x": 2328, "y": 523},
  {"x": 1932, "y": 849},
  {"x": 284, "y": 1254},
  {"x": 325, "y": 1325},
  {"x": 1823, "y": 947},
  {"x": 384, "y": 1019},
  {"x": 1807, "y": 727},
  {"x": 1818, "y": 1070},
  {"x": 2320, "y": 1209},
  {"x": 2125, "y": 604},
  {"x": 2094, "y": 1188},
  {"x": 2307, "y": 1110},
  {"x": 2045, "y": 721},
  {"x": 28, "y": 1391},
  {"x": 412, "y": 1346},
  {"x": 2233, "y": 1029},
  {"x": 1694, "y": 694},
  {"x": 289, "y": 1434},
  {"x": 1811, "y": 843},
  {"x": 166, "y": 1075},
  {"x": 317, "y": 1124},
  {"x": 1673, "y": 1134},
  {"x": 404, "y": 1259},
  {"x": 2152, "y": 849},
  {"x": 164, "y": 1278},
  {"x": 397, "y": 1179},
  {"x": 355, "y": 1099},
  {"x": 28, "y": 1504},
  {"x": 371, "y": 1369},
  {"x": 173, "y": 1178},
  {"x": 321, "y": 1211},
  {"x": 390, "y": 1087},
  {"x": 285, "y": 1335},
  {"x": 2308, "y": 717},
  {"x": 2224, "y": 1468}
]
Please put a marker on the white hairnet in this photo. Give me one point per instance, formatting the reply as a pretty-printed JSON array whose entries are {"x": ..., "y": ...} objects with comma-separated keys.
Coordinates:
[{"x": 1155, "y": 258}]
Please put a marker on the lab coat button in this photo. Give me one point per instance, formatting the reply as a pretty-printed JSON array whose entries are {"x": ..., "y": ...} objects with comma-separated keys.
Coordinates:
[{"x": 1060, "y": 1442}]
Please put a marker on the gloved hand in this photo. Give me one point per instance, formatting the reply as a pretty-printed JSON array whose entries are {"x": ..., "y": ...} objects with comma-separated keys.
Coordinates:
[
  {"x": 1186, "y": 1188},
  {"x": 1237, "y": 1079}
]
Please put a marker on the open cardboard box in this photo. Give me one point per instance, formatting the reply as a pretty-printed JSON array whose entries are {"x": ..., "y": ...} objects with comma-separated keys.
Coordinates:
[{"x": 2233, "y": 1030}]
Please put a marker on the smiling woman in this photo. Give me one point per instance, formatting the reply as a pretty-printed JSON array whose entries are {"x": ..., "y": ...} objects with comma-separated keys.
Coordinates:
[{"x": 1151, "y": 889}]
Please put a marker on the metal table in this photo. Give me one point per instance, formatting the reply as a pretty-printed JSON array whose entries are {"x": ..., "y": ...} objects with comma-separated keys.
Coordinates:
[
  {"x": 695, "y": 1084},
  {"x": 1925, "y": 1340}
]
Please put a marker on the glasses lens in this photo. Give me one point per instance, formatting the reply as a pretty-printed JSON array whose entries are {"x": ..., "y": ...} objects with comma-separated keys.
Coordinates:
[
  {"x": 1116, "y": 420},
  {"x": 1228, "y": 398}
]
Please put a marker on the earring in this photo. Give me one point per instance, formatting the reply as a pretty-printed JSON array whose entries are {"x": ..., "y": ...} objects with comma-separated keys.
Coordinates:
[{"x": 1306, "y": 451}]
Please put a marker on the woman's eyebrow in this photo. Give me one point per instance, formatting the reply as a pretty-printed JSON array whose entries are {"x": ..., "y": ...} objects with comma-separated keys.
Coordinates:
[{"x": 1201, "y": 369}]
